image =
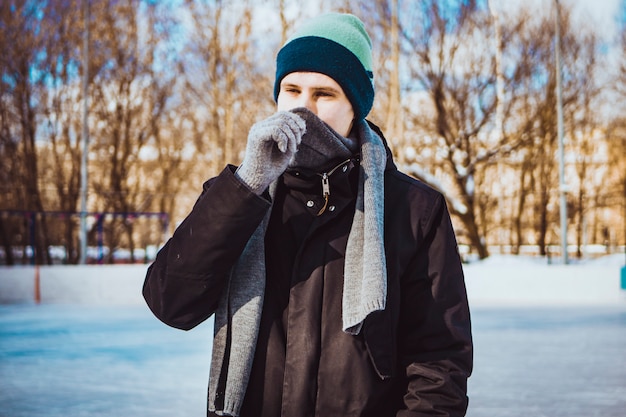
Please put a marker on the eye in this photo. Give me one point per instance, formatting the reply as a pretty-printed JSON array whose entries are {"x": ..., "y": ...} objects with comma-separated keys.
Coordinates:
[
  {"x": 290, "y": 89},
  {"x": 324, "y": 93}
]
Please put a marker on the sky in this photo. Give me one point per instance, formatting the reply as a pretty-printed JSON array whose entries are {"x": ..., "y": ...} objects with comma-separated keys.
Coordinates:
[{"x": 601, "y": 15}]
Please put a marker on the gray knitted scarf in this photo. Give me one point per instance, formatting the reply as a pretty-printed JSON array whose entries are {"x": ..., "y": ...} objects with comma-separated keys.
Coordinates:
[{"x": 238, "y": 316}]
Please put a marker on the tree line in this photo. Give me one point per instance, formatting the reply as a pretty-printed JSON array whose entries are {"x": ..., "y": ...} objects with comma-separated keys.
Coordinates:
[{"x": 465, "y": 93}]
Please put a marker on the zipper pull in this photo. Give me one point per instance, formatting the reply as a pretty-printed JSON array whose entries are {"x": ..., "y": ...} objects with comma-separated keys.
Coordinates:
[
  {"x": 325, "y": 185},
  {"x": 325, "y": 192}
]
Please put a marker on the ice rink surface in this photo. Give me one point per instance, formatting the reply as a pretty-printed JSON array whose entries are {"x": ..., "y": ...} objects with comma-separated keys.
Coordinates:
[{"x": 87, "y": 361}]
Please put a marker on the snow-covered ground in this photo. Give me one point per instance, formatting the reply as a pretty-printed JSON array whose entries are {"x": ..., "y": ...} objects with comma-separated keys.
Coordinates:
[
  {"x": 496, "y": 281},
  {"x": 529, "y": 281}
]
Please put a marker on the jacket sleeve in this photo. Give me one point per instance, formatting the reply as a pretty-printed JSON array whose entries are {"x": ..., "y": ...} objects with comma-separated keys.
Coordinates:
[
  {"x": 435, "y": 341},
  {"x": 184, "y": 284}
]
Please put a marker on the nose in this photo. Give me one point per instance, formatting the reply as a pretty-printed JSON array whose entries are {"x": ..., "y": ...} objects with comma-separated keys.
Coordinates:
[{"x": 305, "y": 100}]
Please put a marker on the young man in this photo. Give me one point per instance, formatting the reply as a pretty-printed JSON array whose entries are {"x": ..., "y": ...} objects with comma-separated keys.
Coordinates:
[{"x": 335, "y": 280}]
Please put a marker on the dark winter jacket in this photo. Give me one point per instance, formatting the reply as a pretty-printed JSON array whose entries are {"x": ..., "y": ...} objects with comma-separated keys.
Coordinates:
[{"x": 412, "y": 359}]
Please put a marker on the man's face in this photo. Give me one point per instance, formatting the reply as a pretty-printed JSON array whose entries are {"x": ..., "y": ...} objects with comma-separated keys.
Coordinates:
[{"x": 321, "y": 95}]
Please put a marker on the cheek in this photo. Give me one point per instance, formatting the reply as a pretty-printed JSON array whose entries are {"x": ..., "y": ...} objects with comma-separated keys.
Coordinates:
[
  {"x": 340, "y": 119},
  {"x": 283, "y": 103},
  {"x": 344, "y": 117}
]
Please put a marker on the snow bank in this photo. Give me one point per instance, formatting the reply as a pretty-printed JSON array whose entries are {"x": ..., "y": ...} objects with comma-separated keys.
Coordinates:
[
  {"x": 90, "y": 284},
  {"x": 530, "y": 281},
  {"x": 496, "y": 281}
]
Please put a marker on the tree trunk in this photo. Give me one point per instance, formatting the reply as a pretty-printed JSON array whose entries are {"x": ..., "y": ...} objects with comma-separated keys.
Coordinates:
[
  {"x": 6, "y": 244},
  {"x": 476, "y": 239}
]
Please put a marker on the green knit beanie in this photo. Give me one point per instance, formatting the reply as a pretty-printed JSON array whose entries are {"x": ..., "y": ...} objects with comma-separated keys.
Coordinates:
[{"x": 337, "y": 45}]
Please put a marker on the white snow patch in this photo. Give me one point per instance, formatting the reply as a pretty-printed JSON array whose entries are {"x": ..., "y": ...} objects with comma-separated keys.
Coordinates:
[
  {"x": 496, "y": 281},
  {"x": 531, "y": 281}
]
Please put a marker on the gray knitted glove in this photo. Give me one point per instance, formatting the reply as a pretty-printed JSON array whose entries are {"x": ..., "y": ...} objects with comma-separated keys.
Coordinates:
[{"x": 272, "y": 143}]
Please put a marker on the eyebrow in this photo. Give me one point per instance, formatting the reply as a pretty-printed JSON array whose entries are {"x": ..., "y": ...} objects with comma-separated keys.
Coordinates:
[
  {"x": 289, "y": 85},
  {"x": 328, "y": 89}
]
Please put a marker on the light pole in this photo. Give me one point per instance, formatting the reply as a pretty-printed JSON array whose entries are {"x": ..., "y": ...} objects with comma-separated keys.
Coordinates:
[{"x": 559, "y": 110}]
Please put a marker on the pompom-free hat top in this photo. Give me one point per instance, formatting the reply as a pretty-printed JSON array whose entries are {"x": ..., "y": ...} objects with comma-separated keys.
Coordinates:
[{"x": 337, "y": 45}]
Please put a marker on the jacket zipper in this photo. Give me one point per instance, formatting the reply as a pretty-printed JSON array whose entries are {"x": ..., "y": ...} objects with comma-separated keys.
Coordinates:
[{"x": 326, "y": 185}]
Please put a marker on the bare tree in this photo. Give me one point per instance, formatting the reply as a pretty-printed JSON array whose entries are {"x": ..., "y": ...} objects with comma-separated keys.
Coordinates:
[
  {"x": 61, "y": 124},
  {"x": 10, "y": 169},
  {"x": 584, "y": 129},
  {"x": 616, "y": 140},
  {"x": 457, "y": 84},
  {"x": 22, "y": 79},
  {"x": 540, "y": 116},
  {"x": 465, "y": 95},
  {"x": 129, "y": 92},
  {"x": 538, "y": 122},
  {"x": 223, "y": 87},
  {"x": 381, "y": 18}
]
